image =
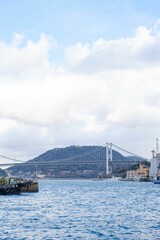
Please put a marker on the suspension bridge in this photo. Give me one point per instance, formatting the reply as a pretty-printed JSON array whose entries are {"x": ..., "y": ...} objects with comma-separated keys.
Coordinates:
[{"x": 100, "y": 155}]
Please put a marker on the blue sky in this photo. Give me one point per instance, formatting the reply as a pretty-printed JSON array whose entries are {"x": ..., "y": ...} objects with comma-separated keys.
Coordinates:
[
  {"x": 82, "y": 72},
  {"x": 71, "y": 21}
]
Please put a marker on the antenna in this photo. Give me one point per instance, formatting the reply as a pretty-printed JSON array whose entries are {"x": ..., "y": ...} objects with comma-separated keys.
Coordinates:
[{"x": 157, "y": 146}]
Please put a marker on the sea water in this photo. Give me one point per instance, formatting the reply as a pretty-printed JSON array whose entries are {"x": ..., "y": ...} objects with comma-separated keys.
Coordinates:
[{"x": 82, "y": 209}]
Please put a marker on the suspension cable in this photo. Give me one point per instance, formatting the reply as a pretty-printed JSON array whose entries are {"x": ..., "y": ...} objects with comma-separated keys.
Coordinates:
[
  {"x": 12, "y": 159},
  {"x": 135, "y": 155},
  {"x": 77, "y": 156},
  {"x": 63, "y": 159}
]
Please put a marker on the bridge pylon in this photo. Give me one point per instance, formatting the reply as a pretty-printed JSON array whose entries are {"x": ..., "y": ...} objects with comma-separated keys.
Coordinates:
[{"x": 108, "y": 158}]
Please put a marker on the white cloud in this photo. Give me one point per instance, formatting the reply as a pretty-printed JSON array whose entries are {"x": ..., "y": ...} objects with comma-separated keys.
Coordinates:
[
  {"x": 105, "y": 92},
  {"x": 17, "y": 39},
  {"x": 28, "y": 61},
  {"x": 140, "y": 51}
]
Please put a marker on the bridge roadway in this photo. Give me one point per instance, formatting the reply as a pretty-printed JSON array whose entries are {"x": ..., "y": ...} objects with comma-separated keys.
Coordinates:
[{"x": 65, "y": 162}]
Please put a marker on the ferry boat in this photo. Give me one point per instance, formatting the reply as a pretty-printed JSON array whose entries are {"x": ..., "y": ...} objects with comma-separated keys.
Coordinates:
[{"x": 10, "y": 185}]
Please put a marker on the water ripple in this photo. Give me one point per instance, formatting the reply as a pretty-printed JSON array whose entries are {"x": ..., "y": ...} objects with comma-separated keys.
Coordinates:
[{"x": 85, "y": 209}]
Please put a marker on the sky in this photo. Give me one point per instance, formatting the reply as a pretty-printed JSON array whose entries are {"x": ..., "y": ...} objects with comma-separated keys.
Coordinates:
[{"x": 79, "y": 72}]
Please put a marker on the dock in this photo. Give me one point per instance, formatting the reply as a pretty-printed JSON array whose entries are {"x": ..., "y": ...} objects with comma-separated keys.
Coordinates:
[{"x": 31, "y": 188}]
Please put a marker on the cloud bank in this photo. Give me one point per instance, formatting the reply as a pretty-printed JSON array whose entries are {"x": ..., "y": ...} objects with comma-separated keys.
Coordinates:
[{"x": 108, "y": 90}]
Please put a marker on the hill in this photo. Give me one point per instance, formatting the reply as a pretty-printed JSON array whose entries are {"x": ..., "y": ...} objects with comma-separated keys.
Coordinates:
[
  {"x": 2, "y": 173},
  {"x": 73, "y": 161}
]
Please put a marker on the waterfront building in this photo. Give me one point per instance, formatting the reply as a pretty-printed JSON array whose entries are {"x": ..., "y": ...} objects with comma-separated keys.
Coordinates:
[
  {"x": 141, "y": 172},
  {"x": 155, "y": 166},
  {"x": 131, "y": 175}
]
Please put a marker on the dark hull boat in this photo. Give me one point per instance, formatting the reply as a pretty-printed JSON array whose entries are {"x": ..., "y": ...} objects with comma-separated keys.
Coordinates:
[
  {"x": 10, "y": 189},
  {"x": 16, "y": 186}
]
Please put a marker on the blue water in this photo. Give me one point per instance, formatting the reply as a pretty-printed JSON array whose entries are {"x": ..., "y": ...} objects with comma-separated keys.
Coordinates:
[{"x": 82, "y": 209}]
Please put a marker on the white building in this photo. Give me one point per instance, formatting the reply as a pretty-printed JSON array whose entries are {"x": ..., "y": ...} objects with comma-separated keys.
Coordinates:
[{"x": 155, "y": 166}]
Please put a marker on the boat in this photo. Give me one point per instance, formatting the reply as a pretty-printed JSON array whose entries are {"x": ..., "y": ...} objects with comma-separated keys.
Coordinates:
[
  {"x": 10, "y": 185},
  {"x": 156, "y": 181}
]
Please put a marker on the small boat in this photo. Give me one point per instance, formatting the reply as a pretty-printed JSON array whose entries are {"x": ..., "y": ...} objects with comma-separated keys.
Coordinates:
[
  {"x": 156, "y": 181},
  {"x": 10, "y": 185}
]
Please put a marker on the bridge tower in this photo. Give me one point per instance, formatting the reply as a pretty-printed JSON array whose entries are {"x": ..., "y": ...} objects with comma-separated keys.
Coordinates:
[{"x": 108, "y": 158}]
